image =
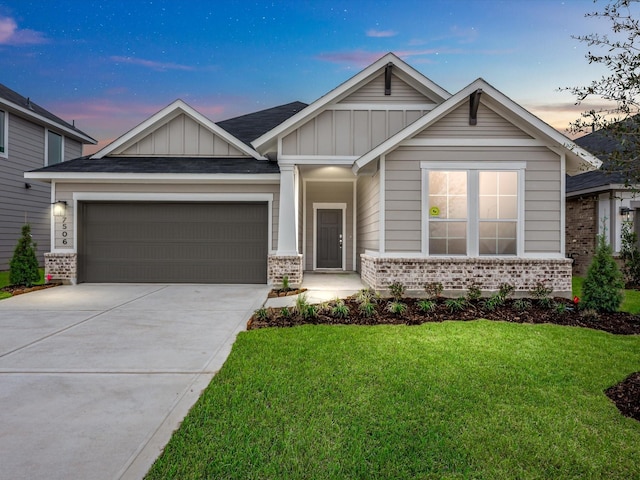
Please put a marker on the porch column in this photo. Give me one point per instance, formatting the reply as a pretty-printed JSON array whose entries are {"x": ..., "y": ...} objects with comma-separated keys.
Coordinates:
[{"x": 287, "y": 233}]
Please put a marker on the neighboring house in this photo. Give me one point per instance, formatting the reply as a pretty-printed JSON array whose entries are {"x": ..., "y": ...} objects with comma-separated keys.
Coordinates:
[
  {"x": 30, "y": 137},
  {"x": 598, "y": 201},
  {"x": 388, "y": 175}
]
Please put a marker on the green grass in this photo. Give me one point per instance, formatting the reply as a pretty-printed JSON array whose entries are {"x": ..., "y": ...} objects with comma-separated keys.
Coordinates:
[
  {"x": 455, "y": 400},
  {"x": 630, "y": 304},
  {"x": 4, "y": 281}
]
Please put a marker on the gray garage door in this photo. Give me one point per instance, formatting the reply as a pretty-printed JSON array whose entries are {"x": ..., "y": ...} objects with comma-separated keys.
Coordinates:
[{"x": 172, "y": 242}]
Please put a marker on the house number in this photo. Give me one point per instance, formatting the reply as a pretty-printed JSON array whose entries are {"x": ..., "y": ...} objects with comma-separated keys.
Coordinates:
[{"x": 64, "y": 231}]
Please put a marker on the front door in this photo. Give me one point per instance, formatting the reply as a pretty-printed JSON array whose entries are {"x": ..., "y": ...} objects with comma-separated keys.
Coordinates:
[{"x": 329, "y": 239}]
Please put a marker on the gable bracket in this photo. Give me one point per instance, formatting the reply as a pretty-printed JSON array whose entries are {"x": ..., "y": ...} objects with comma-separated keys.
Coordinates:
[
  {"x": 474, "y": 103},
  {"x": 387, "y": 78}
]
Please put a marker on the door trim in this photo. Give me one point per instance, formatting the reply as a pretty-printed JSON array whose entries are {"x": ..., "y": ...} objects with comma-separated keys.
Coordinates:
[{"x": 329, "y": 206}]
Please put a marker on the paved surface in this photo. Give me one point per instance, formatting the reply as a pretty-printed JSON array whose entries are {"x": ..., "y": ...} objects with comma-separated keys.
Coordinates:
[
  {"x": 322, "y": 287},
  {"x": 95, "y": 378}
]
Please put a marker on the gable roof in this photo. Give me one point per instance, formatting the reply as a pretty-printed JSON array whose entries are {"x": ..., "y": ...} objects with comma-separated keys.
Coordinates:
[
  {"x": 345, "y": 89},
  {"x": 578, "y": 159},
  {"x": 162, "y": 117},
  {"x": 24, "y": 106},
  {"x": 252, "y": 125}
]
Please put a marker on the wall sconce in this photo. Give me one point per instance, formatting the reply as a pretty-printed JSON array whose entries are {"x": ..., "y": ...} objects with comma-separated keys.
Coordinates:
[
  {"x": 59, "y": 208},
  {"x": 626, "y": 213}
]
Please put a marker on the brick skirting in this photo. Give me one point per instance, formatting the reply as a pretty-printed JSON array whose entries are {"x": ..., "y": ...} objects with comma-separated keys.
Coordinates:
[
  {"x": 456, "y": 274},
  {"x": 62, "y": 267},
  {"x": 280, "y": 265}
]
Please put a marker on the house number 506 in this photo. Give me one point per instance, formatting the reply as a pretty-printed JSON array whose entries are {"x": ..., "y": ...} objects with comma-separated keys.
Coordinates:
[{"x": 65, "y": 233}]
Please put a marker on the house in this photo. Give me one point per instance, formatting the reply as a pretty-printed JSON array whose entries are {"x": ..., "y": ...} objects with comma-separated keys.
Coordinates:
[
  {"x": 388, "y": 175},
  {"x": 30, "y": 137},
  {"x": 599, "y": 201}
]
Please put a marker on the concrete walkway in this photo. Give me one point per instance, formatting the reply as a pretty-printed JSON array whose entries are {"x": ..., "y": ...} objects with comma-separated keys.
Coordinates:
[
  {"x": 322, "y": 287},
  {"x": 95, "y": 378}
]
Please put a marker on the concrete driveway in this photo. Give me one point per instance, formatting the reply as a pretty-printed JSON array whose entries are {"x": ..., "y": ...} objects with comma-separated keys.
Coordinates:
[{"x": 95, "y": 378}]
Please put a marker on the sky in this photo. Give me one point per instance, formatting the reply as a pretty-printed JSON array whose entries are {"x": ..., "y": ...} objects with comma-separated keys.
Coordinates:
[{"x": 108, "y": 65}]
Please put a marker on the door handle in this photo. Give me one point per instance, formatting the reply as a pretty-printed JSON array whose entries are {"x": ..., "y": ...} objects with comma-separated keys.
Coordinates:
[{"x": 340, "y": 243}]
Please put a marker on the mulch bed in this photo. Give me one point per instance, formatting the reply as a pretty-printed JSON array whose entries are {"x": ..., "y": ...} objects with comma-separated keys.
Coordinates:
[
  {"x": 20, "y": 289},
  {"x": 625, "y": 395},
  {"x": 285, "y": 292}
]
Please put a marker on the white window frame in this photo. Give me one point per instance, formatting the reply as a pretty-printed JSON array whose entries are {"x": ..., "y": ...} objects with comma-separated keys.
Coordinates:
[
  {"x": 46, "y": 146},
  {"x": 5, "y": 134},
  {"x": 473, "y": 196}
]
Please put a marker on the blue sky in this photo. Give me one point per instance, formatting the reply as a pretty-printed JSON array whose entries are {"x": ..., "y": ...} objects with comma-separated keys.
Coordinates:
[{"x": 110, "y": 64}]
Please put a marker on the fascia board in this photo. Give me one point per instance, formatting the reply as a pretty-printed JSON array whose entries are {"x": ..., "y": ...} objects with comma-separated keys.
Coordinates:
[{"x": 154, "y": 177}]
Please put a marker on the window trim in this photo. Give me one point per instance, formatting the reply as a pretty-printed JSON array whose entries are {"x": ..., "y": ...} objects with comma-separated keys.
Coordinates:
[
  {"x": 46, "y": 146},
  {"x": 473, "y": 195},
  {"x": 5, "y": 134}
]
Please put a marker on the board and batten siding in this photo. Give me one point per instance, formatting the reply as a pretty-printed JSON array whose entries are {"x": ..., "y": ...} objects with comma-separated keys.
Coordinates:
[
  {"x": 368, "y": 215},
  {"x": 373, "y": 92},
  {"x": 64, "y": 191},
  {"x": 182, "y": 136},
  {"x": 403, "y": 190},
  {"x": 329, "y": 192}
]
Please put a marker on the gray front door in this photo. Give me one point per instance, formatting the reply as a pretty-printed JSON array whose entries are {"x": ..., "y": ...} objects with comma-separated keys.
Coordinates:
[{"x": 329, "y": 241}]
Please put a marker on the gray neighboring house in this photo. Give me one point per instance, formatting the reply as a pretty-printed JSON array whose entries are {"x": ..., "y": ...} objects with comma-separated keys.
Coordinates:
[
  {"x": 388, "y": 175},
  {"x": 30, "y": 137}
]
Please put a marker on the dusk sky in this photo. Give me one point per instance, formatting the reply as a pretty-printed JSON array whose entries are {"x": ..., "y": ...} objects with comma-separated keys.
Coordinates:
[{"x": 111, "y": 64}]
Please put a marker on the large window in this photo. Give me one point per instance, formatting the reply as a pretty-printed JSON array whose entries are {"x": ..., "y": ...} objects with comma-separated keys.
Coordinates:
[
  {"x": 3, "y": 133},
  {"x": 472, "y": 212},
  {"x": 54, "y": 148}
]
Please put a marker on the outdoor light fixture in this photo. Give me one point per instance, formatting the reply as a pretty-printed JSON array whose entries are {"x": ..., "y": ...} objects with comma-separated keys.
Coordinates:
[
  {"x": 59, "y": 208},
  {"x": 625, "y": 212}
]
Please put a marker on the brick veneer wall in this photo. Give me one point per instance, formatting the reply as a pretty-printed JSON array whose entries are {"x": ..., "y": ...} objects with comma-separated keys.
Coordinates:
[
  {"x": 455, "y": 274},
  {"x": 62, "y": 267},
  {"x": 581, "y": 231},
  {"x": 280, "y": 265}
]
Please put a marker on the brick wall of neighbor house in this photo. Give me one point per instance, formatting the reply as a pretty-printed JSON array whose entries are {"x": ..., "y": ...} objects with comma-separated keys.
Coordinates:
[
  {"x": 455, "y": 274},
  {"x": 581, "y": 225},
  {"x": 280, "y": 265},
  {"x": 61, "y": 266}
]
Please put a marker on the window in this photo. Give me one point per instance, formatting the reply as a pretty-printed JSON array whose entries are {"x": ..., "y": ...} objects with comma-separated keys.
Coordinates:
[
  {"x": 472, "y": 212},
  {"x": 3, "y": 133},
  {"x": 54, "y": 148}
]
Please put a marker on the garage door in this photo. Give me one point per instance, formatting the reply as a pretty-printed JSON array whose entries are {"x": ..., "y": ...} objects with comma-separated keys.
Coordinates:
[{"x": 172, "y": 242}]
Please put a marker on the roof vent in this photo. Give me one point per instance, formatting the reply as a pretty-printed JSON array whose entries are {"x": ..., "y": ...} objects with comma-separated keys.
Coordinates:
[
  {"x": 387, "y": 78},
  {"x": 474, "y": 103}
]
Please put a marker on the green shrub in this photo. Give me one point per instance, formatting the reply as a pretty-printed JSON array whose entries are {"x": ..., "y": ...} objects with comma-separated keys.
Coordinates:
[
  {"x": 285, "y": 312},
  {"x": 285, "y": 283},
  {"x": 397, "y": 290},
  {"x": 602, "y": 289},
  {"x": 473, "y": 292},
  {"x": 367, "y": 308},
  {"x": 433, "y": 289},
  {"x": 630, "y": 255},
  {"x": 365, "y": 295},
  {"x": 493, "y": 302},
  {"x": 505, "y": 290},
  {"x": 262, "y": 314},
  {"x": 23, "y": 268},
  {"x": 456, "y": 304},
  {"x": 397, "y": 308},
  {"x": 340, "y": 310},
  {"x": 426, "y": 306},
  {"x": 522, "y": 304}
]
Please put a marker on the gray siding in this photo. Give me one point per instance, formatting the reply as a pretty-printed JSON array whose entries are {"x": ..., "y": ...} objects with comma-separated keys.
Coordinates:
[
  {"x": 373, "y": 92},
  {"x": 542, "y": 193},
  {"x": 64, "y": 191},
  {"x": 72, "y": 149},
  {"x": 329, "y": 192},
  {"x": 18, "y": 204},
  {"x": 456, "y": 124},
  {"x": 368, "y": 228},
  {"x": 182, "y": 136}
]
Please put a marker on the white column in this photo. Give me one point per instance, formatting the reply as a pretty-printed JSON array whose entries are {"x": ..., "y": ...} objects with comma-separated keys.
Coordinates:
[{"x": 287, "y": 235}]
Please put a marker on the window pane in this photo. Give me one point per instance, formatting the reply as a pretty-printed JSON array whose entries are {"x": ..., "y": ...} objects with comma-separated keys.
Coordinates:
[
  {"x": 457, "y": 183},
  {"x": 488, "y": 183},
  {"x": 54, "y": 148},
  {"x": 437, "y": 183},
  {"x": 506, "y": 247},
  {"x": 488, "y": 207},
  {"x": 447, "y": 238},
  {"x": 497, "y": 238},
  {"x": 487, "y": 246},
  {"x": 507, "y": 230},
  {"x": 508, "y": 207},
  {"x": 457, "y": 207},
  {"x": 437, "y": 246},
  {"x": 508, "y": 183},
  {"x": 457, "y": 247}
]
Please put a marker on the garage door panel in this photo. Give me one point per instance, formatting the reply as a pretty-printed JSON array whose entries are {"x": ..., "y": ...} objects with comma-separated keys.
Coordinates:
[{"x": 174, "y": 242}]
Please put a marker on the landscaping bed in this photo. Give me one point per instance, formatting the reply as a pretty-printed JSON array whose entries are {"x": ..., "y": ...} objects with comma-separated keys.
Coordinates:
[{"x": 20, "y": 289}]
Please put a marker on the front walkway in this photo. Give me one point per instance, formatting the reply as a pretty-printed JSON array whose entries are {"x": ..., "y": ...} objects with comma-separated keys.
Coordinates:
[{"x": 322, "y": 287}]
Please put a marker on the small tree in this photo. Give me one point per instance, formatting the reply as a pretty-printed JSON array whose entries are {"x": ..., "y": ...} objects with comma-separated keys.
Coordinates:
[
  {"x": 602, "y": 289},
  {"x": 630, "y": 255},
  {"x": 23, "y": 269}
]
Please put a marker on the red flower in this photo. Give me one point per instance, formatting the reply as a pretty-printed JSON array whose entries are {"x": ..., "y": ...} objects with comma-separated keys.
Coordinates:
[{"x": 576, "y": 300}]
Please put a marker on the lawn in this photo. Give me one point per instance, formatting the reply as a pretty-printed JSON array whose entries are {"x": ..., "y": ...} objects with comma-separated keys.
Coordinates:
[
  {"x": 451, "y": 400},
  {"x": 630, "y": 304},
  {"x": 4, "y": 281}
]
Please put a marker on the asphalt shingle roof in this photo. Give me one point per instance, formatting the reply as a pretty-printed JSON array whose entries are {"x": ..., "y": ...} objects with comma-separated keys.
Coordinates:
[
  {"x": 164, "y": 165},
  {"x": 253, "y": 125},
  {"x": 14, "y": 97}
]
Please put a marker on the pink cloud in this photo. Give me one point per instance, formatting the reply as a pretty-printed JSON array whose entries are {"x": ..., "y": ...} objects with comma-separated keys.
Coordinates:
[
  {"x": 381, "y": 33},
  {"x": 161, "y": 66},
  {"x": 10, "y": 34}
]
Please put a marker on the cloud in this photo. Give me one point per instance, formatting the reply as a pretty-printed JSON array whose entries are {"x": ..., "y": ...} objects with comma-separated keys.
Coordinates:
[
  {"x": 381, "y": 33},
  {"x": 10, "y": 34},
  {"x": 159, "y": 66}
]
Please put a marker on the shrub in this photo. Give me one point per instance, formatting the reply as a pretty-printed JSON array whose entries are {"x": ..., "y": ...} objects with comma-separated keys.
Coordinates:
[
  {"x": 522, "y": 304},
  {"x": 397, "y": 290},
  {"x": 562, "y": 308},
  {"x": 426, "y": 306},
  {"x": 473, "y": 292},
  {"x": 340, "y": 310},
  {"x": 285, "y": 283},
  {"x": 397, "y": 308},
  {"x": 23, "y": 268},
  {"x": 630, "y": 255},
  {"x": 456, "y": 304},
  {"x": 505, "y": 290},
  {"x": 367, "y": 295},
  {"x": 262, "y": 314},
  {"x": 602, "y": 289},
  {"x": 368, "y": 308},
  {"x": 433, "y": 289},
  {"x": 301, "y": 304},
  {"x": 493, "y": 302},
  {"x": 285, "y": 312}
]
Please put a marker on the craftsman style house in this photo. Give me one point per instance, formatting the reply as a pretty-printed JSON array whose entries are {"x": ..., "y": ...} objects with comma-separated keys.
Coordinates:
[
  {"x": 388, "y": 174},
  {"x": 30, "y": 137}
]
